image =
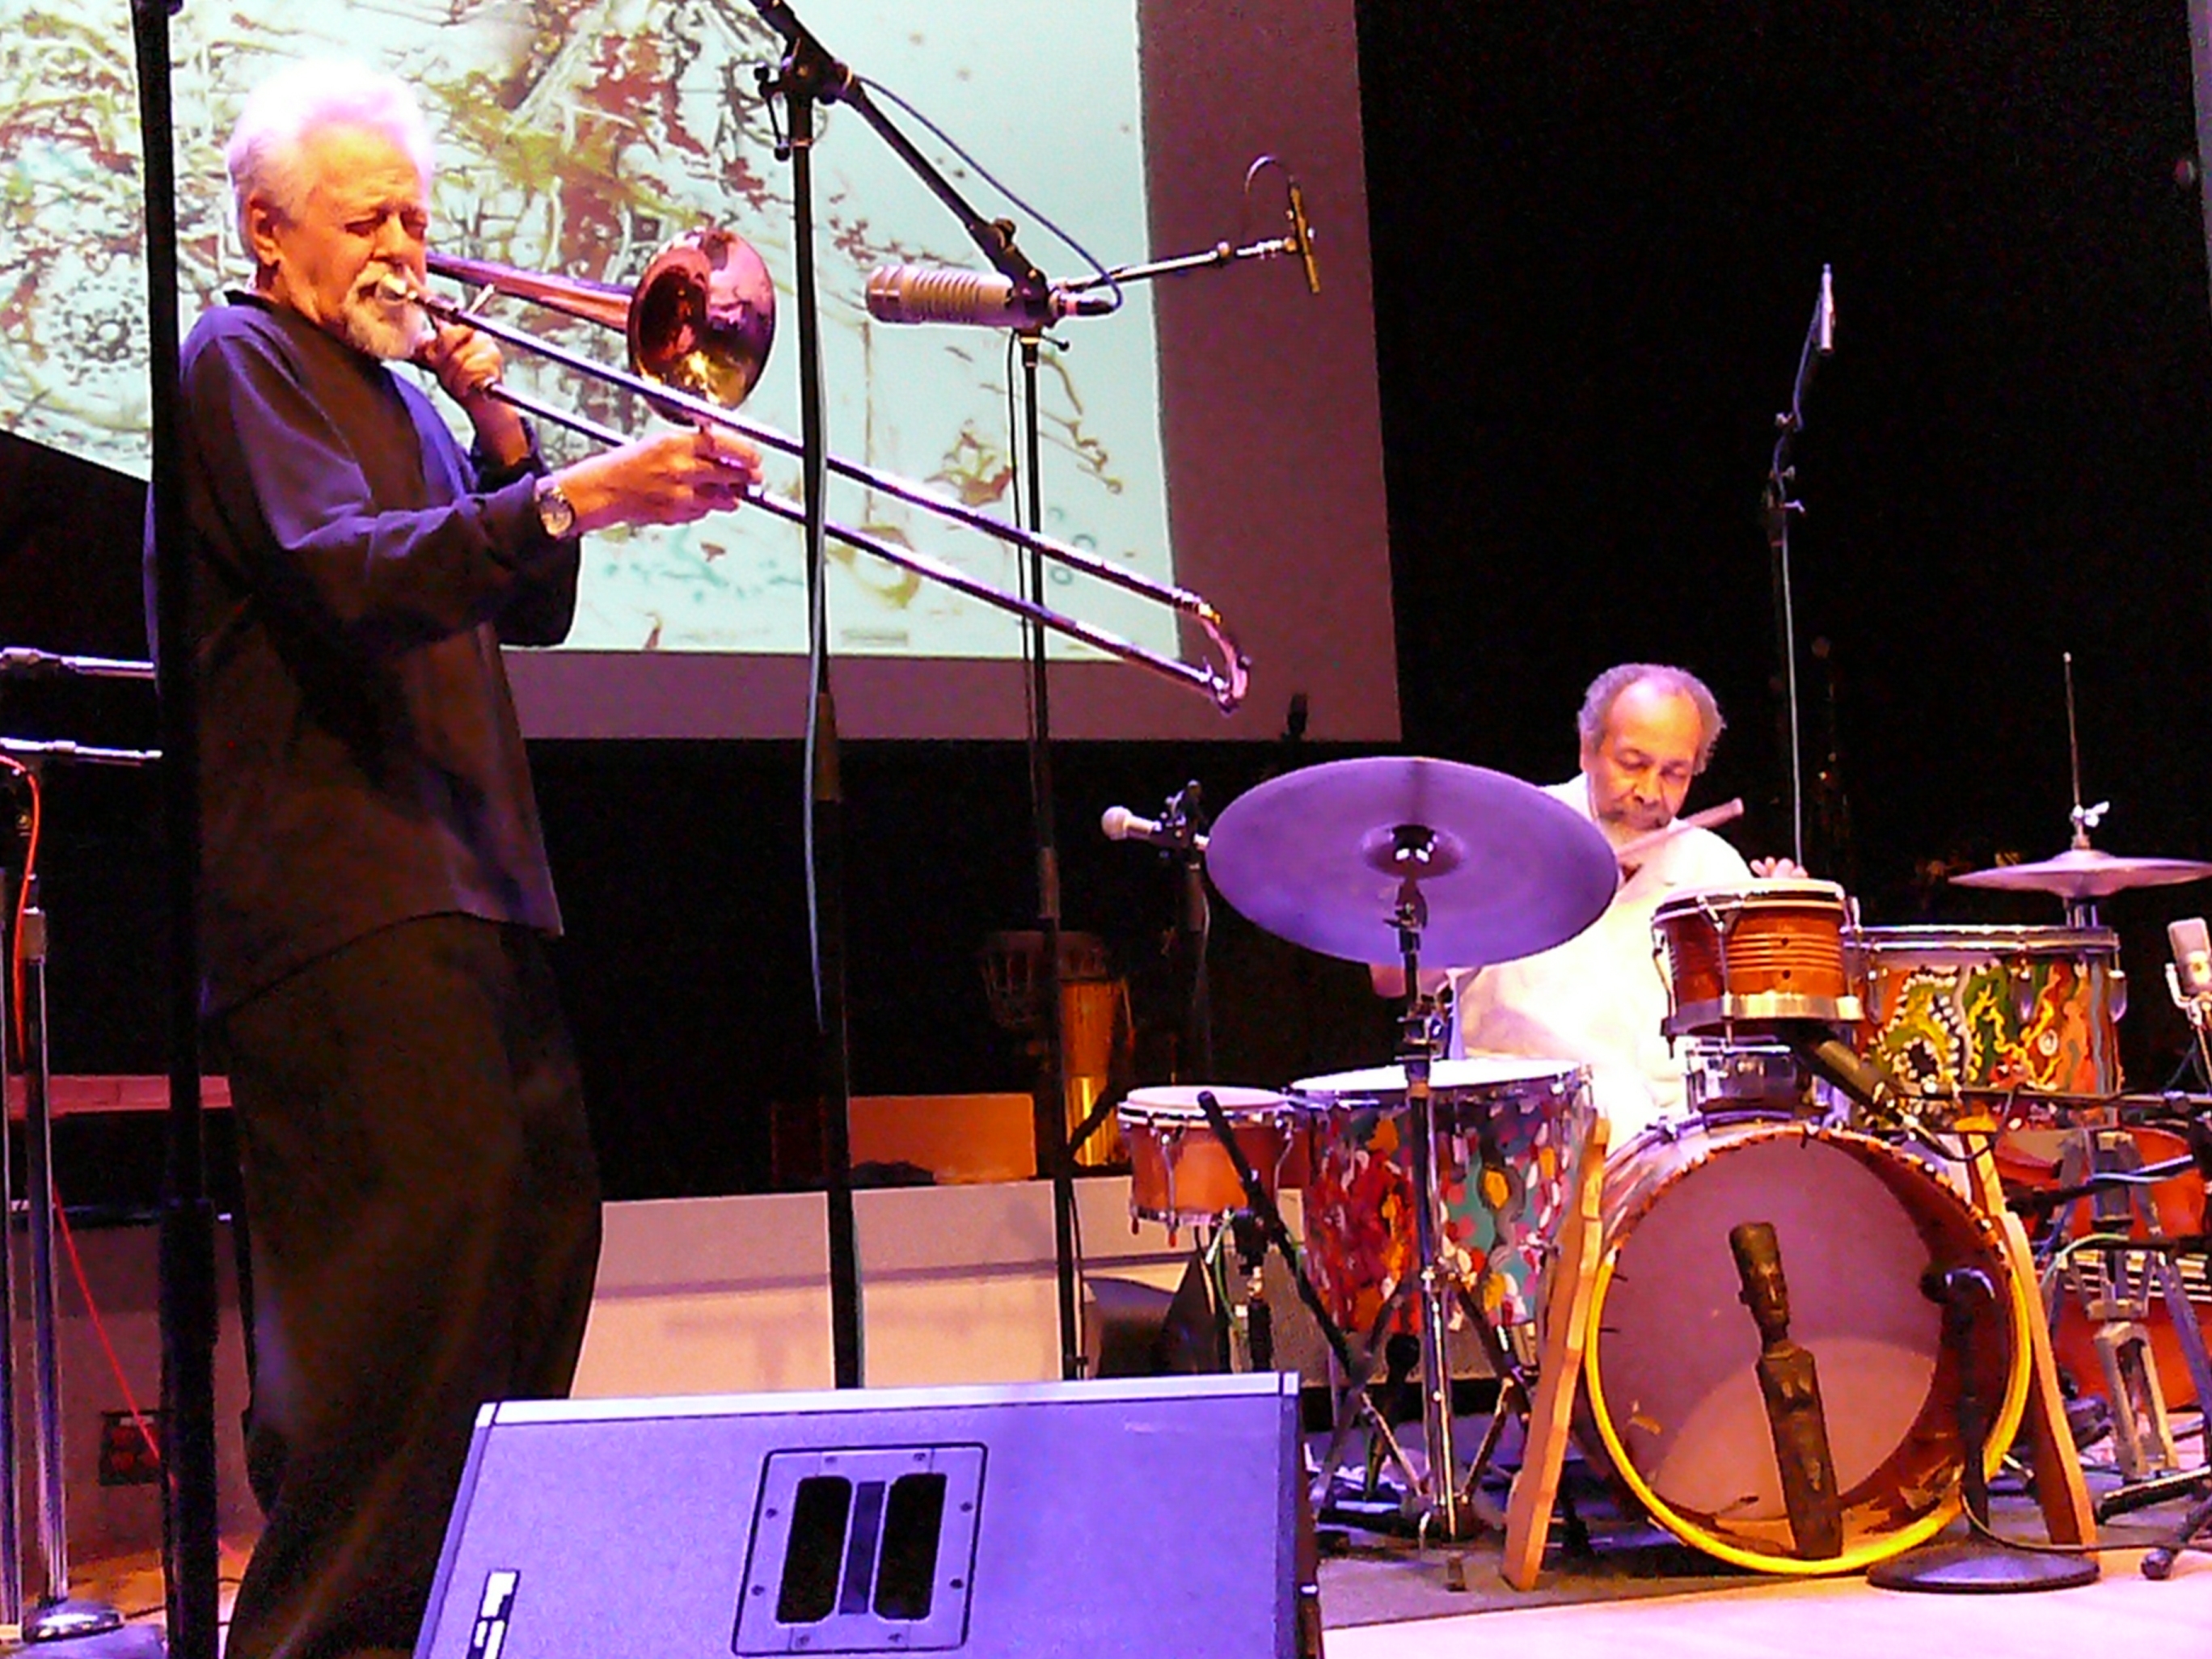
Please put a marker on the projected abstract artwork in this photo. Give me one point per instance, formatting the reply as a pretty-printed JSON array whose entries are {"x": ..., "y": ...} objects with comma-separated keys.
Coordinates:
[{"x": 578, "y": 136}]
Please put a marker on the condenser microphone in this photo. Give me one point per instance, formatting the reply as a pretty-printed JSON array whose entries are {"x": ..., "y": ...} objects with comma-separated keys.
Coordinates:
[
  {"x": 1823, "y": 326},
  {"x": 1302, "y": 234},
  {"x": 2192, "y": 944},
  {"x": 1120, "y": 823},
  {"x": 934, "y": 293}
]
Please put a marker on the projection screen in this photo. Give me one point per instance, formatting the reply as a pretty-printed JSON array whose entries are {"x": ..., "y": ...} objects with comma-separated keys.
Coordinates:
[{"x": 1220, "y": 430}]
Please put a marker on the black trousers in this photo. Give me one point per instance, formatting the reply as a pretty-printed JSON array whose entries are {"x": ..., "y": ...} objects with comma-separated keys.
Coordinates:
[{"x": 422, "y": 1209}]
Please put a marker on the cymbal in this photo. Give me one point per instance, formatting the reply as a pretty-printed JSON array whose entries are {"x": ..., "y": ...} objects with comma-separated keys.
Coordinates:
[
  {"x": 2084, "y": 872},
  {"x": 1316, "y": 857}
]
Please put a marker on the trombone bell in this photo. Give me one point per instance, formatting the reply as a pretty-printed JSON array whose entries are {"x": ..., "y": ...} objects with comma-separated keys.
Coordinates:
[{"x": 701, "y": 319}]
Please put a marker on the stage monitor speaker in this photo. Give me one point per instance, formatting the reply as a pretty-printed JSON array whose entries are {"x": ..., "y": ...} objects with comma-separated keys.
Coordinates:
[{"x": 1149, "y": 1516}]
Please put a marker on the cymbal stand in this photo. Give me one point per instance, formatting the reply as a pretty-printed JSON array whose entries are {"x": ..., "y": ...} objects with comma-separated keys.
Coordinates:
[{"x": 1416, "y": 1047}]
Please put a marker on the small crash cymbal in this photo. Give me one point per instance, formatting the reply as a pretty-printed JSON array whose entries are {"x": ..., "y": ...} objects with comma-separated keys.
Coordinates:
[
  {"x": 1317, "y": 857},
  {"x": 2084, "y": 872}
]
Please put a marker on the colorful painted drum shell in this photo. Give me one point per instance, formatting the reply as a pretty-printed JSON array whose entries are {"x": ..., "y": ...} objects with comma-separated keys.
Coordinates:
[
  {"x": 1947, "y": 1008},
  {"x": 1181, "y": 1175},
  {"x": 1673, "y": 1404},
  {"x": 1743, "y": 956},
  {"x": 1507, "y": 1130}
]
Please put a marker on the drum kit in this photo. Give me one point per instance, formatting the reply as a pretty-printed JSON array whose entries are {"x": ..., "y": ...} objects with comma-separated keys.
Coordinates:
[{"x": 1862, "y": 1100}]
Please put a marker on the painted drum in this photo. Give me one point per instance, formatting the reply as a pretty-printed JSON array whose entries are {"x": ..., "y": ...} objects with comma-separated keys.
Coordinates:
[
  {"x": 1949, "y": 1008},
  {"x": 1674, "y": 1406},
  {"x": 1507, "y": 1130}
]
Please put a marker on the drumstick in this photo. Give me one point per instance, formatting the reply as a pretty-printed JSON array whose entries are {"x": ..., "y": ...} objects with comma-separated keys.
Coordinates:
[{"x": 1705, "y": 820}]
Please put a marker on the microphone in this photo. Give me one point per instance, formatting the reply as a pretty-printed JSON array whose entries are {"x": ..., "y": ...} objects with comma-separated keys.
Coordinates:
[
  {"x": 2192, "y": 944},
  {"x": 1302, "y": 234},
  {"x": 29, "y": 662},
  {"x": 1120, "y": 823},
  {"x": 934, "y": 293},
  {"x": 1824, "y": 324}
]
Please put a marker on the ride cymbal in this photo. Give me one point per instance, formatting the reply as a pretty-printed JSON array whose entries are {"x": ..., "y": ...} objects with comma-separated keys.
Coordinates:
[{"x": 1503, "y": 870}]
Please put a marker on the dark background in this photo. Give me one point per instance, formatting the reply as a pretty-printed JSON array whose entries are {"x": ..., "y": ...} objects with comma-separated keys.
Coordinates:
[{"x": 1597, "y": 233}]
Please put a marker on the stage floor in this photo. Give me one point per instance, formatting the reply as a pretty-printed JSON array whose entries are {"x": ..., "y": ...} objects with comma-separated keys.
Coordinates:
[{"x": 1383, "y": 1597}]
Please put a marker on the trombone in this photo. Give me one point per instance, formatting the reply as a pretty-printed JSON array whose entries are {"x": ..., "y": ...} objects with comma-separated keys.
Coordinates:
[{"x": 700, "y": 323}]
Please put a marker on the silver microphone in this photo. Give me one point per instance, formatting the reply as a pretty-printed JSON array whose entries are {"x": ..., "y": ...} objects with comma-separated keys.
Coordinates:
[
  {"x": 1120, "y": 823},
  {"x": 2191, "y": 943},
  {"x": 1824, "y": 330},
  {"x": 933, "y": 294}
]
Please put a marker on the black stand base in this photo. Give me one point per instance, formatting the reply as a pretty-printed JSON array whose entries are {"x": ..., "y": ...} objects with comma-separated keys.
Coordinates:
[
  {"x": 87, "y": 1629},
  {"x": 1975, "y": 1566}
]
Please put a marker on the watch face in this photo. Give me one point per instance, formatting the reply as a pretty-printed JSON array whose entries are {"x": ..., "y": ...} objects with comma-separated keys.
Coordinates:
[{"x": 555, "y": 514}]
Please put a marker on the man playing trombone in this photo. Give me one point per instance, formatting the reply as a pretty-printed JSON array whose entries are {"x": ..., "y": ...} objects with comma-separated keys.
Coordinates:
[{"x": 421, "y": 1198}]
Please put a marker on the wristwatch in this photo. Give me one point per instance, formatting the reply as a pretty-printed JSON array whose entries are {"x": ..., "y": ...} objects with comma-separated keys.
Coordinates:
[{"x": 557, "y": 513}]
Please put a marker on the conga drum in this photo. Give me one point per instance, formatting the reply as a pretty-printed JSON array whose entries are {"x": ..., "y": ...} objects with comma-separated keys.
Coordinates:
[
  {"x": 1506, "y": 1131},
  {"x": 1674, "y": 1404}
]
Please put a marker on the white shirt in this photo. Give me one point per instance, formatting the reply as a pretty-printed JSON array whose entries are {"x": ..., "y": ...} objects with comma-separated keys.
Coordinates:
[{"x": 1599, "y": 999}]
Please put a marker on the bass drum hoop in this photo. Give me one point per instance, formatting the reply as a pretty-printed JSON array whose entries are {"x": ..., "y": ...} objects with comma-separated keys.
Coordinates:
[{"x": 1887, "y": 1162}]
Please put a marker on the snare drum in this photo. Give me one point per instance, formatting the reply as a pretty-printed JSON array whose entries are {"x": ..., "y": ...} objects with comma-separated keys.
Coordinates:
[
  {"x": 1507, "y": 1131},
  {"x": 1738, "y": 959},
  {"x": 1180, "y": 1174},
  {"x": 1949, "y": 1008},
  {"x": 1674, "y": 1401}
]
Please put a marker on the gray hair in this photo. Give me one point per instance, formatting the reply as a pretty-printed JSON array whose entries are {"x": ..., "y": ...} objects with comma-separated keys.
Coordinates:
[
  {"x": 263, "y": 156},
  {"x": 1605, "y": 690}
]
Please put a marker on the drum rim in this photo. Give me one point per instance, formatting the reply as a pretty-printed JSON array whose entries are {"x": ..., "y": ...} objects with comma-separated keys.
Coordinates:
[
  {"x": 1145, "y": 1110},
  {"x": 1337, "y": 1088},
  {"x": 1981, "y": 941},
  {"x": 1771, "y": 889},
  {"x": 2012, "y": 1413}
]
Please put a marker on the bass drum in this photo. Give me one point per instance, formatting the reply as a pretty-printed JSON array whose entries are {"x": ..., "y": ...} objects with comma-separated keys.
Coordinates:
[{"x": 1674, "y": 1408}]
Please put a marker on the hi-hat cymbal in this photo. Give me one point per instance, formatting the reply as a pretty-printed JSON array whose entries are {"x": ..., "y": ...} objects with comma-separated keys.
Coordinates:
[
  {"x": 1317, "y": 856},
  {"x": 2084, "y": 872}
]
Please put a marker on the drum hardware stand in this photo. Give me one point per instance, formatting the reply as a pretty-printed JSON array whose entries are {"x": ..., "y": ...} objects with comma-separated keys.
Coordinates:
[
  {"x": 1269, "y": 1220},
  {"x": 1981, "y": 1562},
  {"x": 56, "y": 1620},
  {"x": 1417, "y": 1045},
  {"x": 2105, "y": 1166}
]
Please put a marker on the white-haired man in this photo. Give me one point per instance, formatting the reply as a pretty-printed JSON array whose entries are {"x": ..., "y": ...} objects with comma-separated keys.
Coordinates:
[
  {"x": 421, "y": 1193},
  {"x": 1645, "y": 733}
]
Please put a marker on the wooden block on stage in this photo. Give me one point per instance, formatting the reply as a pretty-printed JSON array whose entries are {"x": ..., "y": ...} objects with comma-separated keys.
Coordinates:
[{"x": 957, "y": 1138}]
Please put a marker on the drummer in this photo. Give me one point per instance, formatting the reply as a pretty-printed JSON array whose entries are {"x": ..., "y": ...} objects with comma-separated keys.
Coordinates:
[{"x": 1645, "y": 732}]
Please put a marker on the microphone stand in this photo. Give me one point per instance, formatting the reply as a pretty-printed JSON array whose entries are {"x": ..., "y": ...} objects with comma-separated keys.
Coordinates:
[
  {"x": 1185, "y": 817},
  {"x": 808, "y": 75},
  {"x": 1778, "y": 506},
  {"x": 188, "y": 1276}
]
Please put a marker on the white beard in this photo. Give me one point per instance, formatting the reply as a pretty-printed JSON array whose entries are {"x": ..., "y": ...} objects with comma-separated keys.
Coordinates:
[{"x": 371, "y": 324}]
